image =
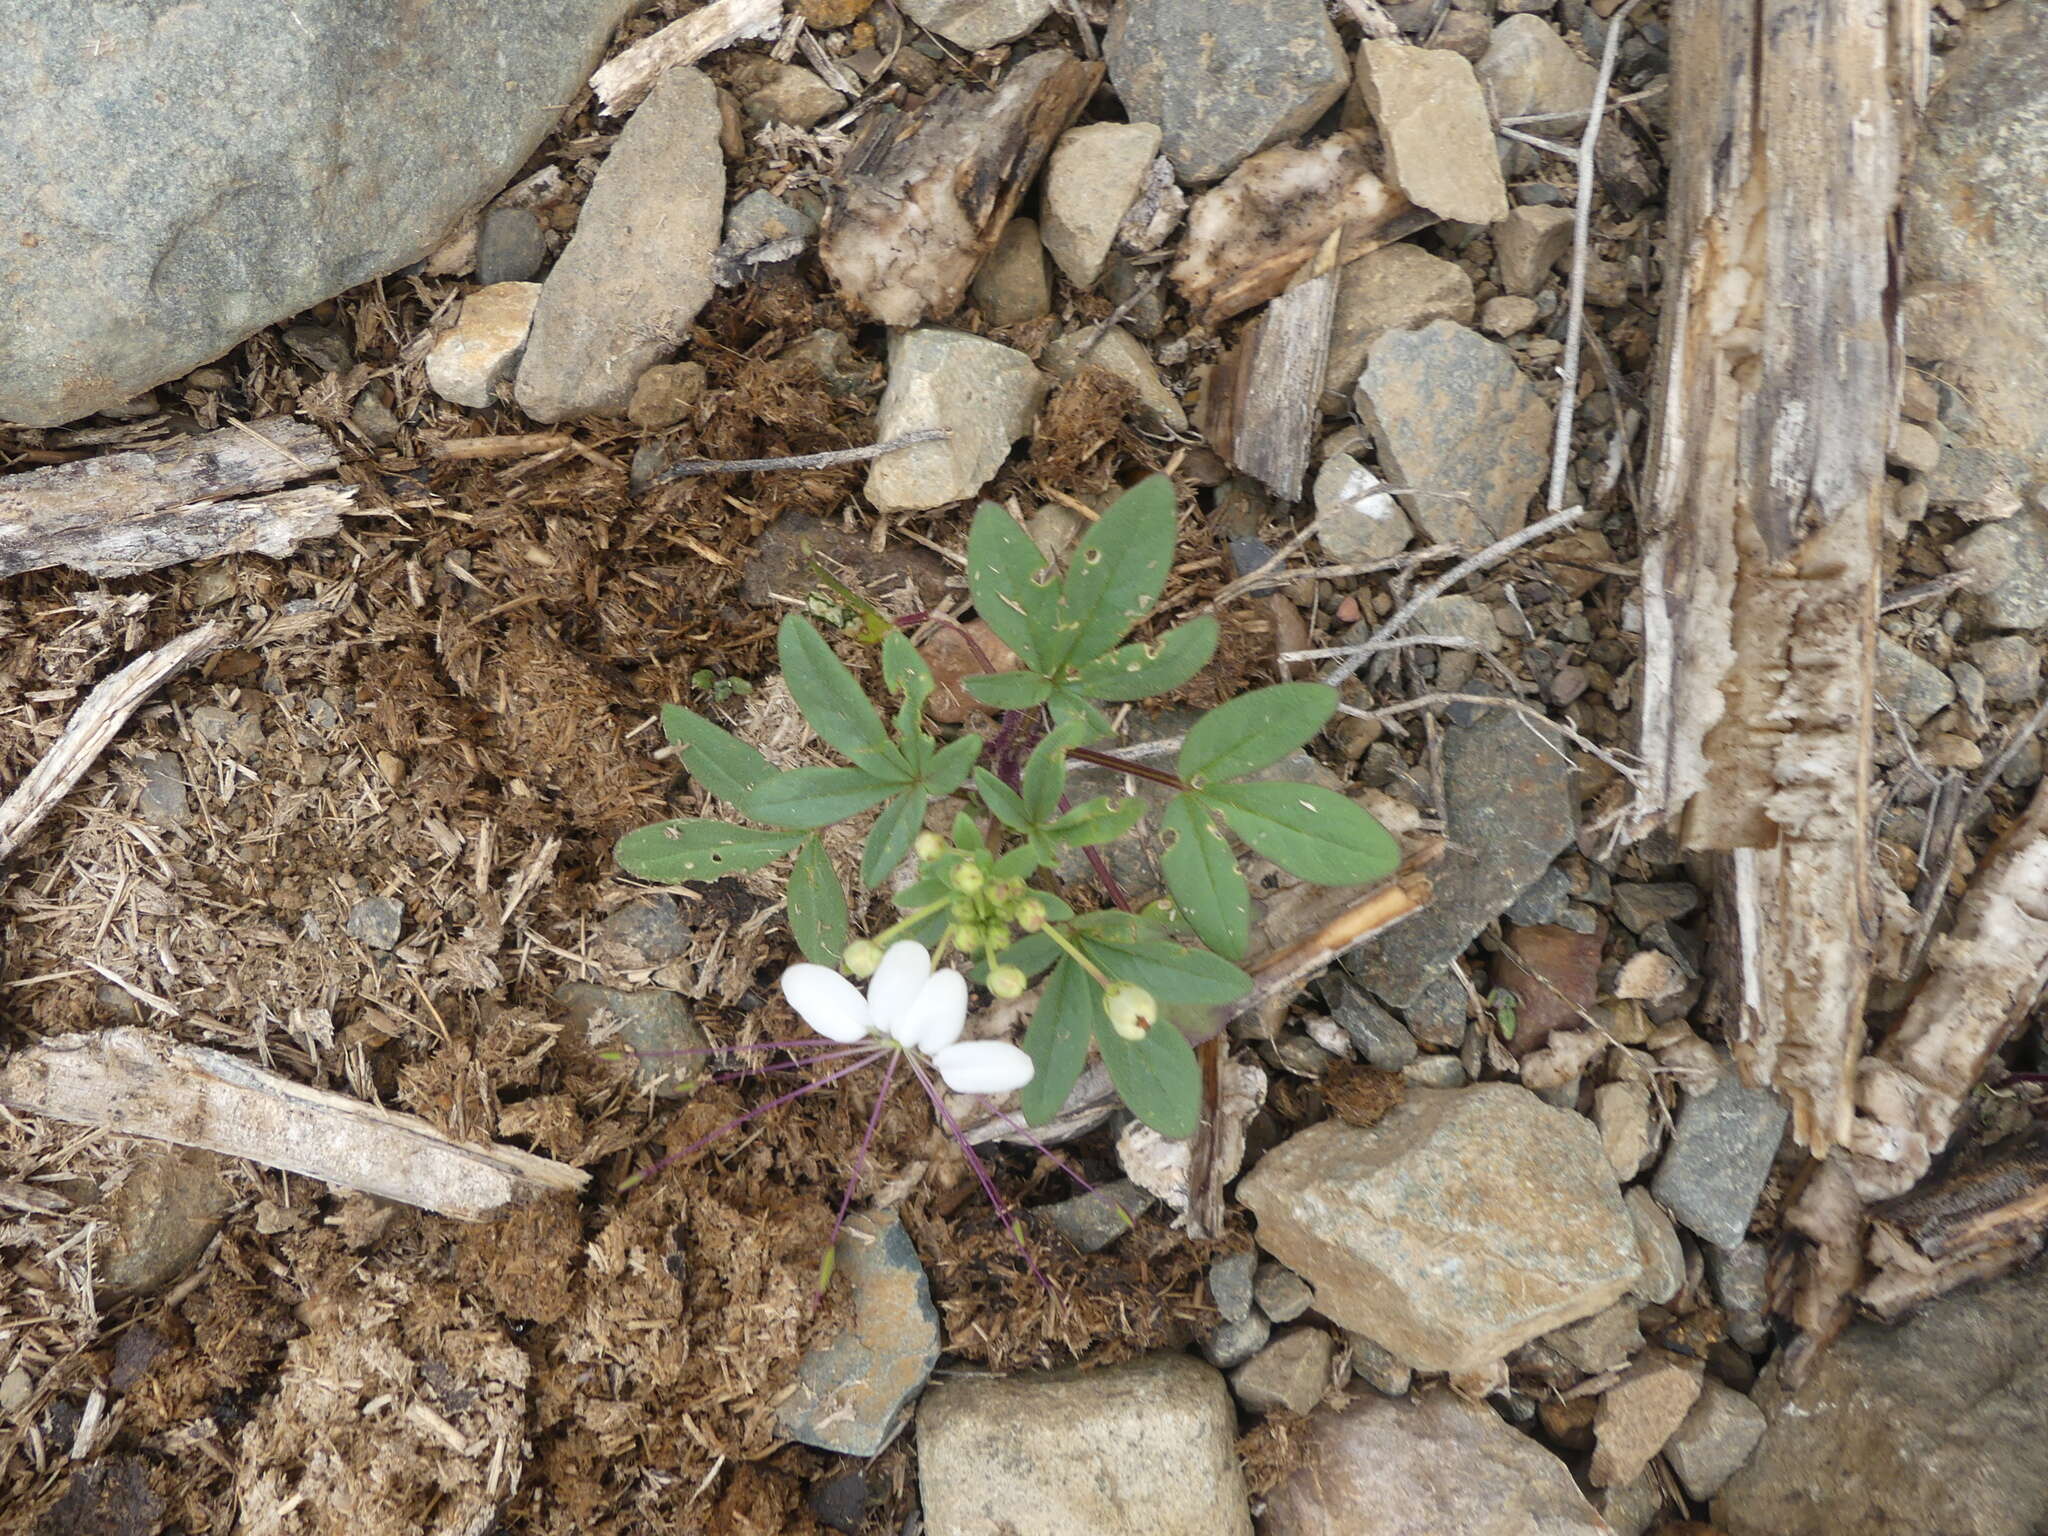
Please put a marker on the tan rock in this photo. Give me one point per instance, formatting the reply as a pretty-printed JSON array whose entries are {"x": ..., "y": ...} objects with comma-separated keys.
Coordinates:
[
  {"x": 1657, "y": 1245},
  {"x": 1622, "y": 1111},
  {"x": 986, "y": 394},
  {"x": 482, "y": 350},
  {"x": 1508, "y": 315},
  {"x": 1011, "y": 285},
  {"x": 1116, "y": 351},
  {"x": 1914, "y": 447},
  {"x": 789, "y": 93},
  {"x": 1528, "y": 243},
  {"x": 664, "y": 395},
  {"x": 1639, "y": 1413},
  {"x": 959, "y": 651},
  {"x": 1289, "y": 1374},
  {"x": 1435, "y": 129},
  {"x": 1394, "y": 288},
  {"x": 1094, "y": 175}
]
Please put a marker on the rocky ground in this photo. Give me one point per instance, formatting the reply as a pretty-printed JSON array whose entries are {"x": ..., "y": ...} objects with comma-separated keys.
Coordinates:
[{"x": 1502, "y": 1255}]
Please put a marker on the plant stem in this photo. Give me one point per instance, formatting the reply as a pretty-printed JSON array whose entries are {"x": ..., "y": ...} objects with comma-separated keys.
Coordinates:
[
  {"x": 704, "y": 1141},
  {"x": 1075, "y": 955},
  {"x": 1124, "y": 765},
  {"x": 912, "y": 920}
]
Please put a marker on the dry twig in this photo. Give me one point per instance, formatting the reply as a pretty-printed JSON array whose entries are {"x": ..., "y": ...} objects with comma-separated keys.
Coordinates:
[{"x": 689, "y": 467}]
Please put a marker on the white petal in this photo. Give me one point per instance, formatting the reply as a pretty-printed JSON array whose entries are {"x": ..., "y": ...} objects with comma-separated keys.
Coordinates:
[
  {"x": 983, "y": 1066},
  {"x": 827, "y": 1001},
  {"x": 936, "y": 1015},
  {"x": 904, "y": 969}
]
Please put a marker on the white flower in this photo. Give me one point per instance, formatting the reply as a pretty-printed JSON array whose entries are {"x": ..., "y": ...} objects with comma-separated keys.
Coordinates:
[{"x": 912, "y": 1006}]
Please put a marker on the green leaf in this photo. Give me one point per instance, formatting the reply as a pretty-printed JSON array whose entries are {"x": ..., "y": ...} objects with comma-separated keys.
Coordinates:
[
  {"x": 1002, "y": 799},
  {"x": 690, "y": 849},
  {"x": 1003, "y": 567},
  {"x": 815, "y": 797},
  {"x": 1255, "y": 731},
  {"x": 716, "y": 758},
  {"x": 1045, "y": 773},
  {"x": 1070, "y": 708},
  {"x": 817, "y": 904},
  {"x": 966, "y": 835},
  {"x": 1203, "y": 877},
  {"x": 1057, "y": 1039},
  {"x": 1100, "y": 820},
  {"x": 1032, "y": 953},
  {"x": 831, "y": 699},
  {"x": 1020, "y": 863},
  {"x": 948, "y": 768},
  {"x": 1158, "y": 1077},
  {"x": 904, "y": 671},
  {"x": 890, "y": 837},
  {"x": 1008, "y": 690},
  {"x": 1117, "y": 573},
  {"x": 1170, "y": 972},
  {"x": 1309, "y": 831},
  {"x": 1139, "y": 671}
]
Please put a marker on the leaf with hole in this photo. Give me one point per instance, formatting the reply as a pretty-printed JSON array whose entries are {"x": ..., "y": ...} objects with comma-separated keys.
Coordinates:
[
  {"x": 1203, "y": 878},
  {"x": 1254, "y": 731},
  {"x": 689, "y": 849},
  {"x": 1057, "y": 1039},
  {"x": 1003, "y": 571},
  {"x": 1309, "y": 831},
  {"x": 1140, "y": 671},
  {"x": 832, "y": 701},
  {"x": 715, "y": 758},
  {"x": 817, "y": 904},
  {"x": 1116, "y": 574}
]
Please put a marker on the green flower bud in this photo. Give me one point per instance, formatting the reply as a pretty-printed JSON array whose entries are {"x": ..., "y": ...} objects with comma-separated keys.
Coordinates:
[
  {"x": 1007, "y": 981},
  {"x": 996, "y": 936},
  {"x": 1131, "y": 1009},
  {"x": 929, "y": 845},
  {"x": 862, "y": 956},
  {"x": 967, "y": 938},
  {"x": 968, "y": 879},
  {"x": 1029, "y": 914}
]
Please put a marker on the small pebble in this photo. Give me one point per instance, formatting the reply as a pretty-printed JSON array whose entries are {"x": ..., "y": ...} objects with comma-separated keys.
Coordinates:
[
  {"x": 1234, "y": 1343},
  {"x": 1508, "y": 315},
  {"x": 1281, "y": 1294},
  {"x": 510, "y": 246},
  {"x": 377, "y": 921},
  {"x": 1230, "y": 1285}
]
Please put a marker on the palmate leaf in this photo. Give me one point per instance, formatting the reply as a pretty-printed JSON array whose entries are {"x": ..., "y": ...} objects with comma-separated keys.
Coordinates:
[
  {"x": 1309, "y": 831},
  {"x": 689, "y": 849},
  {"x": 1203, "y": 878},
  {"x": 715, "y": 758},
  {"x": 1117, "y": 573},
  {"x": 817, "y": 904},
  {"x": 832, "y": 701},
  {"x": 1057, "y": 1040},
  {"x": 1003, "y": 574},
  {"x": 1158, "y": 1077},
  {"x": 1139, "y": 671},
  {"x": 1255, "y": 731}
]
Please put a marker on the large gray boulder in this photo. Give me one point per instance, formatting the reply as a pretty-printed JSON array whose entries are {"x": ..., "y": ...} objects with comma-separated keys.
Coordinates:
[{"x": 180, "y": 176}]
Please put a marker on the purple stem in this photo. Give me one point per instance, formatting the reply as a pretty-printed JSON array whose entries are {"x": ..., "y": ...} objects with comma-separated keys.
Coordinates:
[
  {"x": 704, "y": 1141},
  {"x": 810, "y": 1042},
  {"x": 981, "y": 1173},
  {"x": 1025, "y": 1131},
  {"x": 860, "y": 1158}
]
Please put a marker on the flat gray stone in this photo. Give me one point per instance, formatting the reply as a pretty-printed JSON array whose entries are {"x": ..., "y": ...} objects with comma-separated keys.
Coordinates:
[
  {"x": 652, "y": 927},
  {"x": 1434, "y": 394},
  {"x": 623, "y": 293},
  {"x": 1436, "y": 1015},
  {"x": 1461, "y": 1226},
  {"x": 1715, "y": 1439},
  {"x": 1437, "y": 1466},
  {"x": 377, "y": 921},
  {"x": 977, "y": 23},
  {"x": 1721, "y": 1153},
  {"x": 854, "y": 1388},
  {"x": 1373, "y": 1365},
  {"x": 1509, "y": 810},
  {"x": 1230, "y": 1285},
  {"x": 760, "y": 230},
  {"x": 985, "y": 393},
  {"x": 1394, "y": 288},
  {"x": 1657, "y": 1245},
  {"x": 1527, "y": 67},
  {"x": 1380, "y": 1038},
  {"x": 1281, "y": 1294},
  {"x": 1915, "y": 687},
  {"x": 1603, "y": 1342},
  {"x": 182, "y": 176},
  {"x": 2008, "y": 567},
  {"x": 1356, "y": 520},
  {"x": 1224, "y": 78},
  {"x": 654, "y": 1025},
  {"x": 1143, "y": 1449},
  {"x": 1640, "y": 906},
  {"x": 2011, "y": 668},
  {"x": 1932, "y": 1426},
  {"x": 1230, "y": 1344},
  {"x": 510, "y": 246},
  {"x": 165, "y": 801},
  {"x": 1094, "y": 1219},
  {"x": 1290, "y": 1374},
  {"x": 1740, "y": 1275}
]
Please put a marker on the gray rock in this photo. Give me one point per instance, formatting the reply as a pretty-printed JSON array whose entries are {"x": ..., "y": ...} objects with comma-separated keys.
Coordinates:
[
  {"x": 1378, "y": 1369},
  {"x": 1657, "y": 1245},
  {"x": 1917, "y": 689},
  {"x": 1231, "y": 1344},
  {"x": 977, "y": 23},
  {"x": 1094, "y": 1219},
  {"x": 1436, "y": 1016},
  {"x": 1117, "y": 352},
  {"x": 1437, "y": 1466},
  {"x": 1544, "y": 903},
  {"x": 2008, "y": 566},
  {"x": 1224, "y": 78},
  {"x": 669, "y": 1056},
  {"x": 1435, "y": 133},
  {"x": 1527, "y": 68},
  {"x": 160, "y": 218},
  {"x": 1011, "y": 285},
  {"x": 510, "y": 246},
  {"x": 1633, "y": 1507},
  {"x": 1640, "y": 906},
  {"x": 1394, "y": 288},
  {"x": 164, "y": 801},
  {"x": 1290, "y": 1374},
  {"x": 652, "y": 927},
  {"x": 1720, "y": 1155},
  {"x": 1436, "y": 1072},
  {"x": 987, "y": 394},
  {"x": 1144, "y": 1449},
  {"x": 1509, "y": 810},
  {"x": 1602, "y": 1342},
  {"x": 162, "y": 1217},
  {"x": 1739, "y": 1275},
  {"x": 1281, "y": 1294},
  {"x": 1715, "y": 1439},
  {"x": 761, "y": 229},
  {"x": 1932, "y": 1426},
  {"x": 1461, "y": 1226},
  {"x": 632, "y": 279},
  {"x": 482, "y": 349},
  {"x": 1230, "y": 1285},
  {"x": 377, "y": 921},
  {"x": 853, "y": 1389},
  {"x": 2011, "y": 668},
  {"x": 1460, "y": 618},
  {"x": 1983, "y": 145},
  {"x": 1093, "y": 176},
  {"x": 1356, "y": 519},
  {"x": 1381, "y": 1038},
  {"x": 1431, "y": 394}
]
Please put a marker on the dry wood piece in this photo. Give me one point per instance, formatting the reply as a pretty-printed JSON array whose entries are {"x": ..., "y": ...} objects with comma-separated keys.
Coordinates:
[
  {"x": 124, "y": 513},
  {"x": 1260, "y": 410},
  {"x": 1971, "y": 1225},
  {"x": 137, "y": 1084},
  {"x": 1760, "y": 572},
  {"x": 97, "y": 722},
  {"x": 923, "y": 196},
  {"x": 625, "y": 81}
]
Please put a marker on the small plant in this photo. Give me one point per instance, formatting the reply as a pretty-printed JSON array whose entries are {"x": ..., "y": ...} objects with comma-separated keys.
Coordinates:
[
  {"x": 1124, "y": 982},
  {"x": 704, "y": 680}
]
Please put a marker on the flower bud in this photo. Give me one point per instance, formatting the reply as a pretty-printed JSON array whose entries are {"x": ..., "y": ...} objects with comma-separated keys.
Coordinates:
[
  {"x": 967, "y": 879},
  {"x": 1029, "y": 914},
  {"x": 996, "y": 936},
  {"x": 1007, "y": 981},
  {"x": 967, "y": 938},
  {"x": 929, "y": 845},
  {"x": 862, "y": 956},
  {"x": 1131, "y": 1009},
  {"x": 1003, "y": 892}
]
